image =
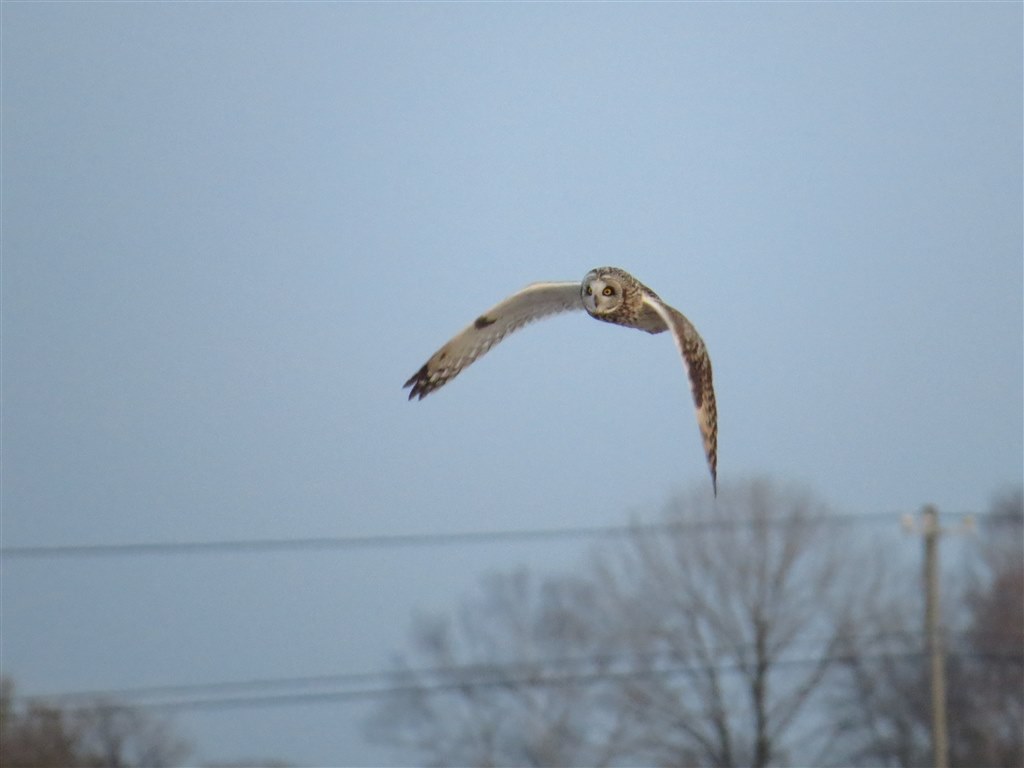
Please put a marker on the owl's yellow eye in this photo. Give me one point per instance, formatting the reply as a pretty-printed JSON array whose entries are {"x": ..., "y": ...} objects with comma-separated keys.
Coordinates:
[
  {"x": 607, "y": 291},
  {"x": 589, "y": 290}
]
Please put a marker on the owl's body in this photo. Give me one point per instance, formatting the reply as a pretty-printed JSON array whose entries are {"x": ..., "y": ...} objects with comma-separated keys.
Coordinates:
[{"x": 608, "y": 294}]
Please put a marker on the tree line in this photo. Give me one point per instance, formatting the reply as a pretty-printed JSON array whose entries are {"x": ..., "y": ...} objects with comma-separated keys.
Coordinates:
[{"x": 747, "y": 631}]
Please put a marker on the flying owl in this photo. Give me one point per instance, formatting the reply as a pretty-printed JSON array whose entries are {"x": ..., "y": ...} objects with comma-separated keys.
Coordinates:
[{"x": 607, "y": 293}]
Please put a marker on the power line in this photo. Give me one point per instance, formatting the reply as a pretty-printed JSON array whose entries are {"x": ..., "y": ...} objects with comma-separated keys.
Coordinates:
[
  {"x": 525, "y": 681},
  {"x": 384, "y": 541},
  {"x": 489, "y": 671},
  {"x": 310, "y": 543},
  {"x": 499, "y": 676},
  {"x": 488, "y": 668}
]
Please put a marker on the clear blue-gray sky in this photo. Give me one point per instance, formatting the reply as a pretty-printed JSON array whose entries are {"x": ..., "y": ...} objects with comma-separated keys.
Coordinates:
[{"x": 231, "y": 231}]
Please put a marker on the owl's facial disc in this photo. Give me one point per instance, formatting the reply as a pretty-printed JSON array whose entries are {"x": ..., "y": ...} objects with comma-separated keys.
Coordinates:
[{"x": 600, "y": 295}]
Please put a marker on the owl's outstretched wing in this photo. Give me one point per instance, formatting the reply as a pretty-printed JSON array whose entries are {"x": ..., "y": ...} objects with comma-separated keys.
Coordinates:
[
  {"x": 698, "y": 366},
  {"x": 535, "y": 301}
]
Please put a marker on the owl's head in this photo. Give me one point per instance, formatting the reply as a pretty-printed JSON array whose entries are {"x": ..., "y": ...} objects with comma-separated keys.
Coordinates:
[{"x": 604, "y": 289}]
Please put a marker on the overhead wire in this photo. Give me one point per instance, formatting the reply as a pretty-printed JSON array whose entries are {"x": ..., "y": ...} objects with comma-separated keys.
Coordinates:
[
  {"x": 458, "y": 681},
  {"x": 232, "y": 694},
  {"x": 474, "y": 668},
  {"x": 383, "y": 541}
]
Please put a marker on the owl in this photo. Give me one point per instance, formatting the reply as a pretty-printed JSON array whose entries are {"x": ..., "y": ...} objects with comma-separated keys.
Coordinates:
[{"x": 608, "y": 294}]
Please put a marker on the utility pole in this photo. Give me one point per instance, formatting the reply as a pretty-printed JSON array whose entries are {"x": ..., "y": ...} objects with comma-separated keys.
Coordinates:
[
  {"x": 931, "y": 531},
  {"x": 933, "y": 629}
]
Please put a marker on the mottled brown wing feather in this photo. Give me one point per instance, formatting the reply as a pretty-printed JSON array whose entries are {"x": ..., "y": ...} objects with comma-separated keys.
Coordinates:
[
  {"x": 533, "y": 302},
  {"x": 698, "y": 367}
]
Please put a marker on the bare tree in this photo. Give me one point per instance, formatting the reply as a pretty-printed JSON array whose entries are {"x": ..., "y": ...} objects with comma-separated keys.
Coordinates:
[
  {"x": 993, "y": 641},
  {"x": 40, "y": 736},
  {"x": 121, "y": 736},
  {"x": 882, "y": 705},
  {"x": 94, "y": 734},
  {"x": 698, "y": 641},
  {"x": 740, "y": 611},
  {"x": 516, "y": 679}
]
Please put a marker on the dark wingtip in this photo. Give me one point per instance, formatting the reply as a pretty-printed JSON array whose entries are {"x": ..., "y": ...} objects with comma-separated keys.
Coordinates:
[{"x": 420, "y": 384}]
